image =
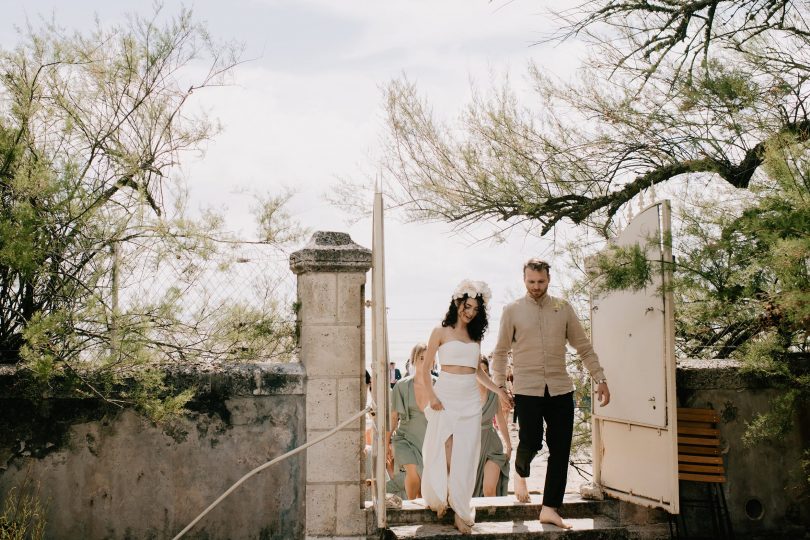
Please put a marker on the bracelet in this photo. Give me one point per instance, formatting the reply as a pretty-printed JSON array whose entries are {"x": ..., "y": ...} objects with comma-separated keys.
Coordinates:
[{"x": 600, "y": 381}]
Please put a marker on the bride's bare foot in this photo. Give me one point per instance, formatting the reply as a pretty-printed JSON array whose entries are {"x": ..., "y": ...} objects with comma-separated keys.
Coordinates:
[
  {"x": 550, "y": 515},
  {"x": 462, "y": 526},
  {"x": 441, "y": 512},
  {"x": 521, "y": 491}
]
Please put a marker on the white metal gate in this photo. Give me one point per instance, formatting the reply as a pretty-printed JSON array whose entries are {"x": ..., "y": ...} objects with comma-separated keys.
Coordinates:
[{"x": 635, "y": 449}]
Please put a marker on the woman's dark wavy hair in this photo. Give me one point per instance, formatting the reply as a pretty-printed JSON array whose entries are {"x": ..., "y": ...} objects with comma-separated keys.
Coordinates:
[{"x": 477, "y": 327}]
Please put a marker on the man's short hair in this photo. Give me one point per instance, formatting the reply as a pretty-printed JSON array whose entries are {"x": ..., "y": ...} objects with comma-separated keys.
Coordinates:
[{"x": 538, "y": 265}]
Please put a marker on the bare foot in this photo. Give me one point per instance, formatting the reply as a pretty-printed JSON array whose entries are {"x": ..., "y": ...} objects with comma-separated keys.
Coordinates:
[
  {"x": 441, "y": 512},
  {"x": 521, "y": 491},
  {"x": 550, "y": 515},
  {"x": 463, "y": 527}
]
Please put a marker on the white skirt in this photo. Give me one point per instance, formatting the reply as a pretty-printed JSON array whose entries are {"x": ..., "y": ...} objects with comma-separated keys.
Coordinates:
[{"x": 461, "y": 419}]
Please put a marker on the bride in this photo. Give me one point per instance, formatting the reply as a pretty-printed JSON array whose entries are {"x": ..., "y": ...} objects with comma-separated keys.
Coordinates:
[{"x": 453, "y": 407}]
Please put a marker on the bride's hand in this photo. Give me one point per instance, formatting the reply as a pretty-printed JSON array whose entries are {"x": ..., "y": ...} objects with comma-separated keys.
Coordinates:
[
  {"x": 436, "y": 404},
  {"x": 507, "y": 402}
]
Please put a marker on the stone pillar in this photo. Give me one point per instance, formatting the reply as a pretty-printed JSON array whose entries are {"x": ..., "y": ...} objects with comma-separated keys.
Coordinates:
[{"x": 331, "y": 272}]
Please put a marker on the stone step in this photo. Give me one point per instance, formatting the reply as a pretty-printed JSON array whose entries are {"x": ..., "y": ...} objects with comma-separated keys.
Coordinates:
[
  {"x": 502, "y": 509},
  {"x": 601, "y": 528}
]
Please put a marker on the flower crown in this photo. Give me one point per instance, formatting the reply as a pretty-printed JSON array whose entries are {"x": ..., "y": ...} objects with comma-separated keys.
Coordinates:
[{"x": 473, "y": 289}]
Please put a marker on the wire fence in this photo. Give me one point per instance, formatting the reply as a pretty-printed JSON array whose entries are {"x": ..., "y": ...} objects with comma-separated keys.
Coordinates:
[{"x": 221, "y": 301}]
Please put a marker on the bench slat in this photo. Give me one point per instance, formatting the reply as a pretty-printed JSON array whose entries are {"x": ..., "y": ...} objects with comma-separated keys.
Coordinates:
[
  {"x": 709, "y": 432},
  {"x": 706, "y": 469},
  {"x": 691, "y": 423},
  {"x": 697, "y": 441},
  {"x": 705, "y": 415},
  {"x": 686, "y": 458},
  {"x": 701, "y": 478},
  {"x": 702, "y": 450}
]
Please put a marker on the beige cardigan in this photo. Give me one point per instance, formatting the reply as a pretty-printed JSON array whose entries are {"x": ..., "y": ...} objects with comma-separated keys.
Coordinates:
[{"x": 536, "y": 332}]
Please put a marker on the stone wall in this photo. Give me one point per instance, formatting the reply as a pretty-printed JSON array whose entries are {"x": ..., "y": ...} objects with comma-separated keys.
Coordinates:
[
  {"x": 764, "y": 482},
  {"x": 108, "y": 473}
]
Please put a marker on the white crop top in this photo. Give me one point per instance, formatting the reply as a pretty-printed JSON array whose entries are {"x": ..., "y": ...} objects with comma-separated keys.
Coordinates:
[{"x": 459, "y": 353}]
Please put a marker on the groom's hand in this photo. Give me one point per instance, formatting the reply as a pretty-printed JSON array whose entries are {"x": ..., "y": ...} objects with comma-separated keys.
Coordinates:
[{"x": 603, "y": 394}]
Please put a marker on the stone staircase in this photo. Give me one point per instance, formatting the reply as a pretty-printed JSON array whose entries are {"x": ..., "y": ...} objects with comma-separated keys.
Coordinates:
[{"x": 504, "y": 518}]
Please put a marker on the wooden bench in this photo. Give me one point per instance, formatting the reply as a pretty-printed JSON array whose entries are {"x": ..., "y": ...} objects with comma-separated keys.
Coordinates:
[{"x": 700, "y": 460}]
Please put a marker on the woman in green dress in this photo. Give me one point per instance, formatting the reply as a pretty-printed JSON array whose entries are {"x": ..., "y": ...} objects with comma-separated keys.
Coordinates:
[
  {"x": 409, "y": 425},
  {"x": 492, "y": 479}
]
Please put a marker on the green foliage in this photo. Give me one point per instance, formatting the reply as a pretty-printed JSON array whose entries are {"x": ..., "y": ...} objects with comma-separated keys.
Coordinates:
[
  {"x": 97, "y": 256},
  {"x": 623, "y": 267},
  {"x": 276, "y": 225},
  {"x": 248, "y": 332},
  {"x": 778, "y": 231},
  {"x": 776, "y": 423},
  {"x": 729, "y": 87},
  {"x": 763, "y": 358},
  {"x": 155, "y": 402}
]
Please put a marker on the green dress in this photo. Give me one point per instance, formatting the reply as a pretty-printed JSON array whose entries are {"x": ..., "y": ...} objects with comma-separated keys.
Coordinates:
[
  {"x": 491, "y": 449},
  {"x": 409, "y": 435}
]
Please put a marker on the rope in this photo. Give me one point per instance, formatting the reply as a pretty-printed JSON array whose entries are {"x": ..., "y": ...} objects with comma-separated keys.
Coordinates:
[{"x": 263, "y": 467}]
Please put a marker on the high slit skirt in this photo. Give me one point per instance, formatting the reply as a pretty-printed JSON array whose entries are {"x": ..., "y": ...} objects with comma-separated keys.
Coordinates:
[{"x": 461, "y": 419}]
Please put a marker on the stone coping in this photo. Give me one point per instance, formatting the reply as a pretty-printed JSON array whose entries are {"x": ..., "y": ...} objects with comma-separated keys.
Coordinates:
[
  {"x": 245, "y": 379},
  {"x": 229, "y": 379},
  {"x": 698, "y": 373},
  {"x": 329, "y": 251},
  {"x": 704, "y": 363}
]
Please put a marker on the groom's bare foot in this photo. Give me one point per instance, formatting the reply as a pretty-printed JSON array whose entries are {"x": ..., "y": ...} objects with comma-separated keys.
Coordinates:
[
  {"x": 521, "y": 491},
  {"x": 550, "y": 515},
  {"x": 461, "y": 525}
]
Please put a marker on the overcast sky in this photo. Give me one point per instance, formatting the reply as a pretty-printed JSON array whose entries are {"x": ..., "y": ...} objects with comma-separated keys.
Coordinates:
[{"x": 308, "y": 109}]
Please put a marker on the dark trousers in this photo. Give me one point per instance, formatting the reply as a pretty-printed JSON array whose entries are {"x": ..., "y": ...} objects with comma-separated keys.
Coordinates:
[{"x": 558, "y": 414}]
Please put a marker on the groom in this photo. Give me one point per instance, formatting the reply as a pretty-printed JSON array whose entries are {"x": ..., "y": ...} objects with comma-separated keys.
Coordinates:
[{"x": 535, "y": 328}]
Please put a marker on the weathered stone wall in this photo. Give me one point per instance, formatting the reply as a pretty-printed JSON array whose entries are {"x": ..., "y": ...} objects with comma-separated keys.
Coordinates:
[
  {"x": 108, "y": 473},
  {"x": 764, "y": 481}
]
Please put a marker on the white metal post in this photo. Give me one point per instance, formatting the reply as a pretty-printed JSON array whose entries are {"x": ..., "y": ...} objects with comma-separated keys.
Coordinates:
[{"x": 379, "y": 339}]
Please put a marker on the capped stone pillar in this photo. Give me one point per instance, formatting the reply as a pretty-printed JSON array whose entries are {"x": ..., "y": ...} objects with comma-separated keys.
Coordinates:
[{"x": 331, "y": 272}]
